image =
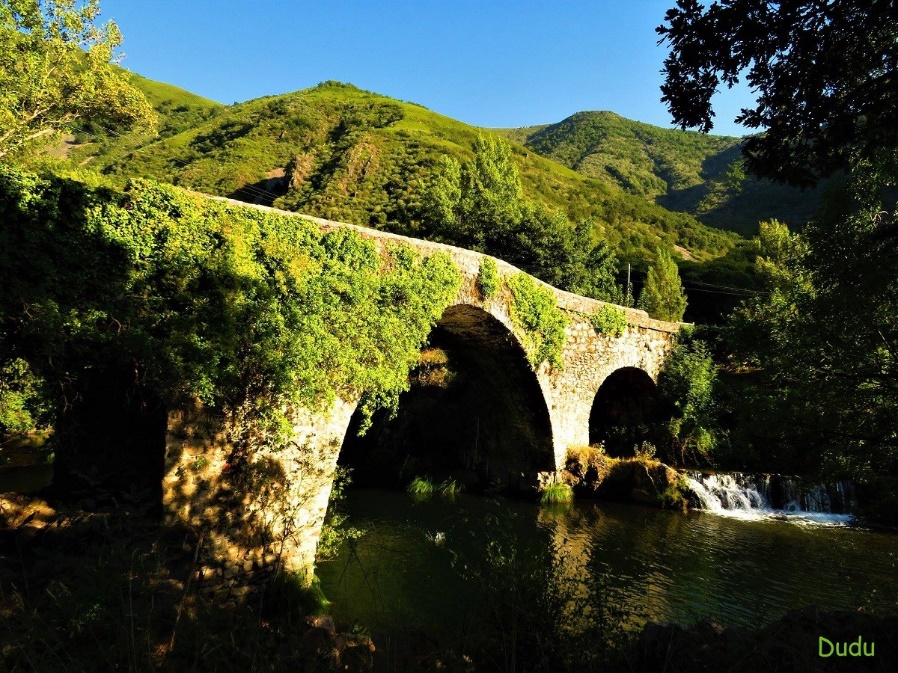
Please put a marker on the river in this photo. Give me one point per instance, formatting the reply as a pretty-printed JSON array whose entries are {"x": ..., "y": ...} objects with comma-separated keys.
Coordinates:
[{"x": 406, "y": 570}]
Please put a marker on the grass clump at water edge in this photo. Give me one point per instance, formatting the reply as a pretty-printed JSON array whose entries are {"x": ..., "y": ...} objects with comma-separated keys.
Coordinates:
[
  {"x": 422, "y": 488},
  {"x": 557, "y": 493},
  {"x": 449, "y": 488}
]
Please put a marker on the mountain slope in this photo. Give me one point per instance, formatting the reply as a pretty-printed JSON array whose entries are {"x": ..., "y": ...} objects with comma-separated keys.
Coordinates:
[
  {"x": 684, "y": 171},
  {"x": 178, "y": 110},
  {"x": 342, "y": 153}
]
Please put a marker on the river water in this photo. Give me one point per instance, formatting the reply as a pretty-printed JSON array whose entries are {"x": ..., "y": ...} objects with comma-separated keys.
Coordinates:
[{"x": 413, "y": 565}]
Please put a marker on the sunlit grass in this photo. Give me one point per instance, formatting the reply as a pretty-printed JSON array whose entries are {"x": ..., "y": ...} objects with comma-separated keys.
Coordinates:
[
  {"x": 449, "y": 488},
  {"x": 421, "y": 487},
  {"x": 557, "y": 493}
]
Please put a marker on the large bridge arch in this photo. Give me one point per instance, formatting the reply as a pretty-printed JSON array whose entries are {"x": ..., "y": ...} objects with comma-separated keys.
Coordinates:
[{"x": 475, "y": 411}]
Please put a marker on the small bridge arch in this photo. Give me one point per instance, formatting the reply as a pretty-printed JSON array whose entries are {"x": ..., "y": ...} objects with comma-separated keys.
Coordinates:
[{"x": 624, "y": 407}]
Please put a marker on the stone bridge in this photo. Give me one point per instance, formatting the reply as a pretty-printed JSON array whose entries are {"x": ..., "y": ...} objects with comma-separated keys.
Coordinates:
[{"x": 278, "y": 517}]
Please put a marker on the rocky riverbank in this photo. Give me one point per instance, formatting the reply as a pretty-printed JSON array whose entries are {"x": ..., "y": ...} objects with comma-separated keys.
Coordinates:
[{"x": 592, "y": 474}]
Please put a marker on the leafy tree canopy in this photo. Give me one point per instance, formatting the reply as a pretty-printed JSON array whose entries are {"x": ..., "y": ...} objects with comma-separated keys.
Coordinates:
[
  {"x": 480, "y": 204},
  {"x": 824, "y": 74},
  {"x": 663, "y": 295},
  {"x": 56, "y": 68}
]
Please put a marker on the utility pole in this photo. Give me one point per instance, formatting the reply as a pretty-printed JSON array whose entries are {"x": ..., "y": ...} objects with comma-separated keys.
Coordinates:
[{"x": 627, "y": 299}]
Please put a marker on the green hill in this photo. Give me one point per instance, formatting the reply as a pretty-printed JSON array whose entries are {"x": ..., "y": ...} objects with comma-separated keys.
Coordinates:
[
  {"x": 684, "y": 171},
  {"x": 178, "y": 111},
  {"x": 339, "y": 152}
]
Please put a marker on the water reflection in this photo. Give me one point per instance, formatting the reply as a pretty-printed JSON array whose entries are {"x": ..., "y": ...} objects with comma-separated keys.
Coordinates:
[{"x": 667, "y": 566}]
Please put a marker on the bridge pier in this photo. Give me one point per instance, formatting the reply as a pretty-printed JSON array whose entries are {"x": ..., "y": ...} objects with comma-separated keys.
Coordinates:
[{"x": 260, "y": 517}]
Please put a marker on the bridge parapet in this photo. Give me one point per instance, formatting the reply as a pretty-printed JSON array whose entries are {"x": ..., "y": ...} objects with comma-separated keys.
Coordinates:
[{"x": 468, "y": 262}]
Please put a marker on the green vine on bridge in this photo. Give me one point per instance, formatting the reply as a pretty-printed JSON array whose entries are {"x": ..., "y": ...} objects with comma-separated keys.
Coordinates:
[
  {"x": 609, "y": 320},
  {"x": 488, "y": 278},
  {"x": 249, "y": 310},
  {"x": 540, "y": 323}
]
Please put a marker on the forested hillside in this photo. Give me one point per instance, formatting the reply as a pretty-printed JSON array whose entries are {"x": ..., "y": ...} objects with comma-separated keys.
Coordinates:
[
  {"x": 684, "y": 171},
  {"x": 342, "y": 153}
]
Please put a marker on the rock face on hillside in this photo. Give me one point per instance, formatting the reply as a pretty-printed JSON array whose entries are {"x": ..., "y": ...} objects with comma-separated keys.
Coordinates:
[{"x": 593, "y": 474}]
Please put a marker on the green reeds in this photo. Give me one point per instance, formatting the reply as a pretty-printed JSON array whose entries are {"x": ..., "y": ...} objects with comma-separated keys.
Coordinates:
[
  {"x": 422, "y": 488},
  {"x": 557, "y": 493}
]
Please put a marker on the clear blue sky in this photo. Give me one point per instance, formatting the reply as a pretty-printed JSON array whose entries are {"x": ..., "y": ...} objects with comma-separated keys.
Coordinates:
[{"x": 490, "y": 63}]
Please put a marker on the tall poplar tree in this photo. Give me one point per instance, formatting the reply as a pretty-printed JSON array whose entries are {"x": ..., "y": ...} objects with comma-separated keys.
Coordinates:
[
  {"x": 480, "y": 204},
  {"x": 663, "y": 295}
]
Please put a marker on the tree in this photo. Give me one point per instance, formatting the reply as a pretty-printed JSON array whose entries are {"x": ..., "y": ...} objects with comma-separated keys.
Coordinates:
[
  {"x": 481, "y": 205},
  {"x": 825, "y": 73},
  {"x": 492, "y": 197},
  {"x": 56, "y": 68},
  {"x": 663, "y": 295},
  {"x": 825, "y": 333},
  {"x": 686, "y": 387}
]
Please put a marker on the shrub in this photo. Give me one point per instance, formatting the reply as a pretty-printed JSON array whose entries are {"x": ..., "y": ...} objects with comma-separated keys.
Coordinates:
[
  {"x": 537, "y": 316},
  {"x": 23, "y": 400},
  {"x": 687, "y": 386},
  {"x": 609, "y": 320},
  {"x": 645, "y": 451},
  {"x": 488, "y": 278}
]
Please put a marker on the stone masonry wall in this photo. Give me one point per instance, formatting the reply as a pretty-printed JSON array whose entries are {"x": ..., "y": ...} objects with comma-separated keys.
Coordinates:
[
  {"x": 589, "y": 358},
  {"x": 260, "y": 517}
]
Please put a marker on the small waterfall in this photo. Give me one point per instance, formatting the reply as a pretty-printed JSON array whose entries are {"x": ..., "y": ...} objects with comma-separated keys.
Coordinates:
[{"x": 756, "y": 496}]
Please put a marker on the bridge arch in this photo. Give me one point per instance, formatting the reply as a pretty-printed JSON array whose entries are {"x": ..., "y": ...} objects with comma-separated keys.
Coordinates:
[
  {"x": 623, "y": 410},
  {"x": 475, "y": 411}
]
